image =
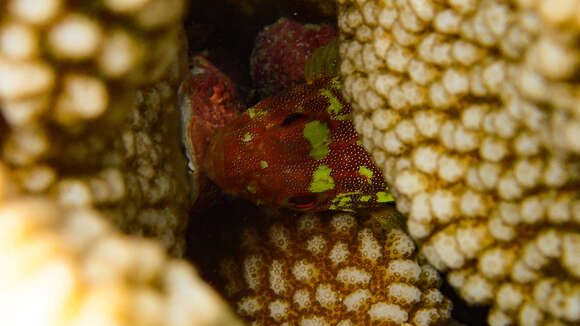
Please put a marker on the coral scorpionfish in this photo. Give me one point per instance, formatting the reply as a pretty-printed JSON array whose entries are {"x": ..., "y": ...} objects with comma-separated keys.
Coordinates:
[{"x": 297, "y": 149}]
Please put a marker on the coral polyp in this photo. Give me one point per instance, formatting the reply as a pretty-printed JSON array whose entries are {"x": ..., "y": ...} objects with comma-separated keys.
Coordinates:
[
  {"x": 331, "y": 270},
  {"x": 471, "y": 111}
]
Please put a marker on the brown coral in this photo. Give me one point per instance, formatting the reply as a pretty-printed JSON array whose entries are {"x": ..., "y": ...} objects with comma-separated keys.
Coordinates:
[
  {"x": 77, "y": 130},
  {"x": 76, "y": 126},
  {"x": 330, "y": 270},
  {"x": 471, "y": 110}
]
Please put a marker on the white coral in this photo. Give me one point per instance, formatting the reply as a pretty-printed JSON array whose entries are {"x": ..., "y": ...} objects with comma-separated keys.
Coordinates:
[{"x": 484, "y": 161}]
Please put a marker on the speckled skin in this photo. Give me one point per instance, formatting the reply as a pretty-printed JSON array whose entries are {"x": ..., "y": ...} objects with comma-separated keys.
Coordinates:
[{"x": 297, "y": 150}]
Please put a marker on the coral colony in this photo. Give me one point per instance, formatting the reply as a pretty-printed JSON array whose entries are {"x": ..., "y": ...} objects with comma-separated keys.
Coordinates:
[{"x": 468, "y": 112}]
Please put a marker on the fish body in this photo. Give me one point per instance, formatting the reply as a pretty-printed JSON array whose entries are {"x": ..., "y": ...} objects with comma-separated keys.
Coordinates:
[{"x": 299, "y": 150}]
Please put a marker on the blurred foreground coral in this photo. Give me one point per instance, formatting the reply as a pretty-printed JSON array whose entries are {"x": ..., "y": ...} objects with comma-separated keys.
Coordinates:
[
  {"x": 68, "y": 266},
  {"x": 89, "y": 133},
  {"x": 87, "y": 93},
  {"x": 471, "y": 109}
]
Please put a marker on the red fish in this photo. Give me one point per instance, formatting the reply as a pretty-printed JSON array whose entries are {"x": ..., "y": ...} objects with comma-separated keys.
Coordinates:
[{"x": 299, "y": 150}]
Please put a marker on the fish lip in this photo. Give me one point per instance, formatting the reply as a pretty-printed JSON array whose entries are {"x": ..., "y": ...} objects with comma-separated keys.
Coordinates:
[
  {"x": 186, "y": 113},
  {"x": 185, "y": 106},
  {"x": 192, "y": 165}
]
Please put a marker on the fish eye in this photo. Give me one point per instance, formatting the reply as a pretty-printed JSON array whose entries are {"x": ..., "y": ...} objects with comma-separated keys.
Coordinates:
[
  {"x": 303, "y": 201},
  {"x": 292, "y": 118}
]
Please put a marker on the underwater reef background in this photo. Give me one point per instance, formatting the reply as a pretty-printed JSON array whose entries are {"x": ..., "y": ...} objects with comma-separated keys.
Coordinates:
[{"x": 469, "y": 108}]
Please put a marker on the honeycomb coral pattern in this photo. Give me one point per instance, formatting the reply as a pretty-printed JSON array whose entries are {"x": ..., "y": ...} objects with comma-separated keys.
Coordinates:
[
  {"x": 331, "y": 270},
  {"x": 86, "y": 97},
  {"x": 470, "y": 108}
]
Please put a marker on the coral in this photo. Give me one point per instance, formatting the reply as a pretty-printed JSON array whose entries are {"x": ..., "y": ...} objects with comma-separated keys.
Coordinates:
[
  {"x": 89, "y": 107},
  {"x": 280, "y": 53},
  {"x": 470, "y": 109},
  {"x": 68, "y": 266},
  {"x": 89, "y": 133},
  {"x": 330, "y": 270}
]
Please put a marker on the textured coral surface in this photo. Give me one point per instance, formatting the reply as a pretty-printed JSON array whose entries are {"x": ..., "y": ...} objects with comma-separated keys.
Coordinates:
[
  {"x": 330, "y": 270},
  {"x": 89, "y": 132},
  {"x": 87, "y": 93},
  {"x": 471, "y": 110}
]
